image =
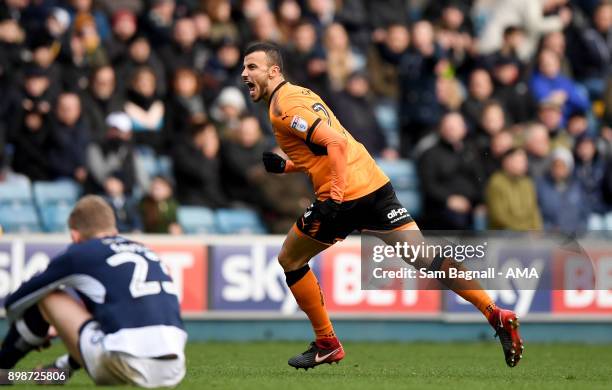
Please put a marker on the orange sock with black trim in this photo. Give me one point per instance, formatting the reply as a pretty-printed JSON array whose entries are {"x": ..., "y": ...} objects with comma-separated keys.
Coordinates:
[
  {"x": 307, "y": 292},
  {"x": 470, "y": 290},
  {"x": 480, "y": 299}
]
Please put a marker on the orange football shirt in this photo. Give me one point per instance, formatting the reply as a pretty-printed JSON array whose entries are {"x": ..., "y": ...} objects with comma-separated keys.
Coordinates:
[{"x": 296, "y": 114}]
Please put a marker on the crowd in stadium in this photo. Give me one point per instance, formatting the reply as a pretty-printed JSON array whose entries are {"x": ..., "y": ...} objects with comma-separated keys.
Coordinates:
[{"x": 505, "y": 106}]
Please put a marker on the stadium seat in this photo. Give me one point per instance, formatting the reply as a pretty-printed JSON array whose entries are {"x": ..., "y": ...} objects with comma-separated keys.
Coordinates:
[
  {"x": 19, "y": 218},
  {"x": 195, "y": 219},
  {"x": 411, "y": 200},
  {"x": 16, "y": 193},
  {"x": 64, "y": 192},
  {"x": 402, "y": 173},
  {"x": 239, "y": 221},
  {"x": 54, "y": 217}
]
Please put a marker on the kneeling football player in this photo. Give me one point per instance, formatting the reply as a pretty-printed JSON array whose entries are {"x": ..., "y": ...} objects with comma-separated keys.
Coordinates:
[{"x": 128, "y": 328}]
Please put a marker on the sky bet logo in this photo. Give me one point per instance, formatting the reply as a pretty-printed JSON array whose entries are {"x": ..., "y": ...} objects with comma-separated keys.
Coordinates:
[{"x": 397, "y": 214}]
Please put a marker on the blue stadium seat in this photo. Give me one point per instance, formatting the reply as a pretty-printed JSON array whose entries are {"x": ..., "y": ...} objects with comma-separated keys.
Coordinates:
[
  {"x": 239, "y": 221},
  {"x": 64, "y": 192},
  {"x": 54, "y": 217},
  {"x": 19, "y": 218},
  {"x": 411, "y": 200},
  {"x": 195, "y": 219},
  {"x": 17, "y": 193},
  {"x": 402, "y": 173}
]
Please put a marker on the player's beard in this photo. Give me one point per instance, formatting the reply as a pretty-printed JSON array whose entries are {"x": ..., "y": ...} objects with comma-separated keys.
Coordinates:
[{"x": 259, "y": 90}]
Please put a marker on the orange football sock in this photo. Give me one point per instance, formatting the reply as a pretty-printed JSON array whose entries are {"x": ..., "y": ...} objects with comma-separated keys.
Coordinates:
[
  {"x": 478, "y": 298},
  {"x": 470, "y": 290},
  {"x": 309, "y": 297}
]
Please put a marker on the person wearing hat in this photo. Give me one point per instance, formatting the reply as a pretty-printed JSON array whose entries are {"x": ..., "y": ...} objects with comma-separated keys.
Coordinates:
[
  {"x": 511, "y": 197},
  {"x": 124, "y": 29},
  {"x": 561, "y": 198},
  {"x": 115, "y": 155},
  {"x": 550, "y": 114}
]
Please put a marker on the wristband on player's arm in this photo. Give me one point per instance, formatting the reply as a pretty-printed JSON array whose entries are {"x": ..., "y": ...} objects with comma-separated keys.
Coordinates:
[{"x": 273, "y": 162}]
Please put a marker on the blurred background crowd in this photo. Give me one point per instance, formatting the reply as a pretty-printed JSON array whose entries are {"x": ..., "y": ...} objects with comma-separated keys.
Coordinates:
[{"x": 488, "y": 113}]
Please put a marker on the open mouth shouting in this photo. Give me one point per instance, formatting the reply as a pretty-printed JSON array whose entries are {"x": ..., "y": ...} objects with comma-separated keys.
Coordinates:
[{"x": 252, "y": 87}]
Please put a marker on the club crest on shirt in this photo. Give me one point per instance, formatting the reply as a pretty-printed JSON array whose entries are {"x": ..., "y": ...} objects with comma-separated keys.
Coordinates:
[{"x": 299, "y": 124}]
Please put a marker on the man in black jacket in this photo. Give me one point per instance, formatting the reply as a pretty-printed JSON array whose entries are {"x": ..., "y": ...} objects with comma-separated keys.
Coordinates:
[
  {"x": 451, "y": 177},
  {"x": 197, "y": 168}
]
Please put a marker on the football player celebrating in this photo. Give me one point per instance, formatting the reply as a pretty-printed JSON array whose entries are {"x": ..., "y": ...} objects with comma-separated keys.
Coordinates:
[
  {"x": 352, "y": 194},
  {"x": 128, "y": 329}
]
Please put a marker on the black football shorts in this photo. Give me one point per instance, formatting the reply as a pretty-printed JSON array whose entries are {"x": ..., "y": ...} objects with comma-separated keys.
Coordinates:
[{"x": 377, "y": 211}]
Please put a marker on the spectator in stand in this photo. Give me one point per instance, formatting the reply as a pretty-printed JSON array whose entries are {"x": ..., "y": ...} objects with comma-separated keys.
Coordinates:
[
  {"x": 222, "y": 70},
  {"x": 124, "y": 207},
  {"x": 78, "y": 8},
  {"x": 223, "y": 28},
  {"x": 513, "y": 40},
  {"x": 305, "y": 61},
  {"x": 512, "y": 91},
  {"x": 555, "y": 41},
  {"x": 492, "y": 121},
  {"x": 321, "y": 13},
  {"x": 561, "y": 198},
  {"x": 590, "y": 172},
  {"x": 68, "y": 139},
  {"x": 101, "y": 99},
  {"x": 124, "y": 29},
  {"x": 158, "y": 209},
  {"x": 27, "y": 121},
  {"x": 85, "y": 53},
  {"x": 511, "y": 197},
  {"x": 419, "y": 109},
  {"x": 551, "y": 116},
  {"x": 140, "y": 54},
  {"x": 527, "y": 14},
  {"x": 183, "y": 51},
  {"x": 158, "y": 20},
  {"x": 492, "y": 157},
  {"x": 537, "y": 146},
  {"x": 115, "y": 155},
  {"x": 241, "y": 152},
  {"x": 44, "y": 50},
  {"x": 288, "y": 14},
  {"x": 227, "y": 110},
  {"x": 450, "y": 174},
  {"x": 185, "y": 106},
  {"x": 547, "y": 84},
  {"x": 592, "y": 59},
  {"x": 197, "y": 168},
  {"x": 12, "y": 39},
  {"x": 145, "y": 109},
  {"x": 354, "y": 108},
  {"x": 341, "y": 57},
  {"x": 454, "y": 34},
  {"x": 480, "y": 89},
  {"x": 265, "y": 28},
  {"x": 384, "y": 58}
]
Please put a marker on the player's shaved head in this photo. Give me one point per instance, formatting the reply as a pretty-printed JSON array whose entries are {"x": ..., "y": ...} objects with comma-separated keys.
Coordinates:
[
  {"x": 273, "y": 53},
  {"x": 92, "y": 216}
]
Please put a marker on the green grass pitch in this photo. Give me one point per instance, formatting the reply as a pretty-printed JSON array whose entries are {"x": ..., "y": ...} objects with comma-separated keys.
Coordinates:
[{"x": 263, "y": 365}]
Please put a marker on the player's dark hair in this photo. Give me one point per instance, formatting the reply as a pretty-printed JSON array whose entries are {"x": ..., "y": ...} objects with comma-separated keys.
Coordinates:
[
  {"x": 273, "y": 52},
  {"x": 91, "y": 216}
]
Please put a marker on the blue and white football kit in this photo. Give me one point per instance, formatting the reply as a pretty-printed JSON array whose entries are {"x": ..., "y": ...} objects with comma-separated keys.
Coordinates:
[{"x": 136, "y": 335}]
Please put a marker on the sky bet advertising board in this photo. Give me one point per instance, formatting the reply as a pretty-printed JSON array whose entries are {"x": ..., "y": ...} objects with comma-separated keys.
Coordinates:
[{"x": 243, "y": 275}]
